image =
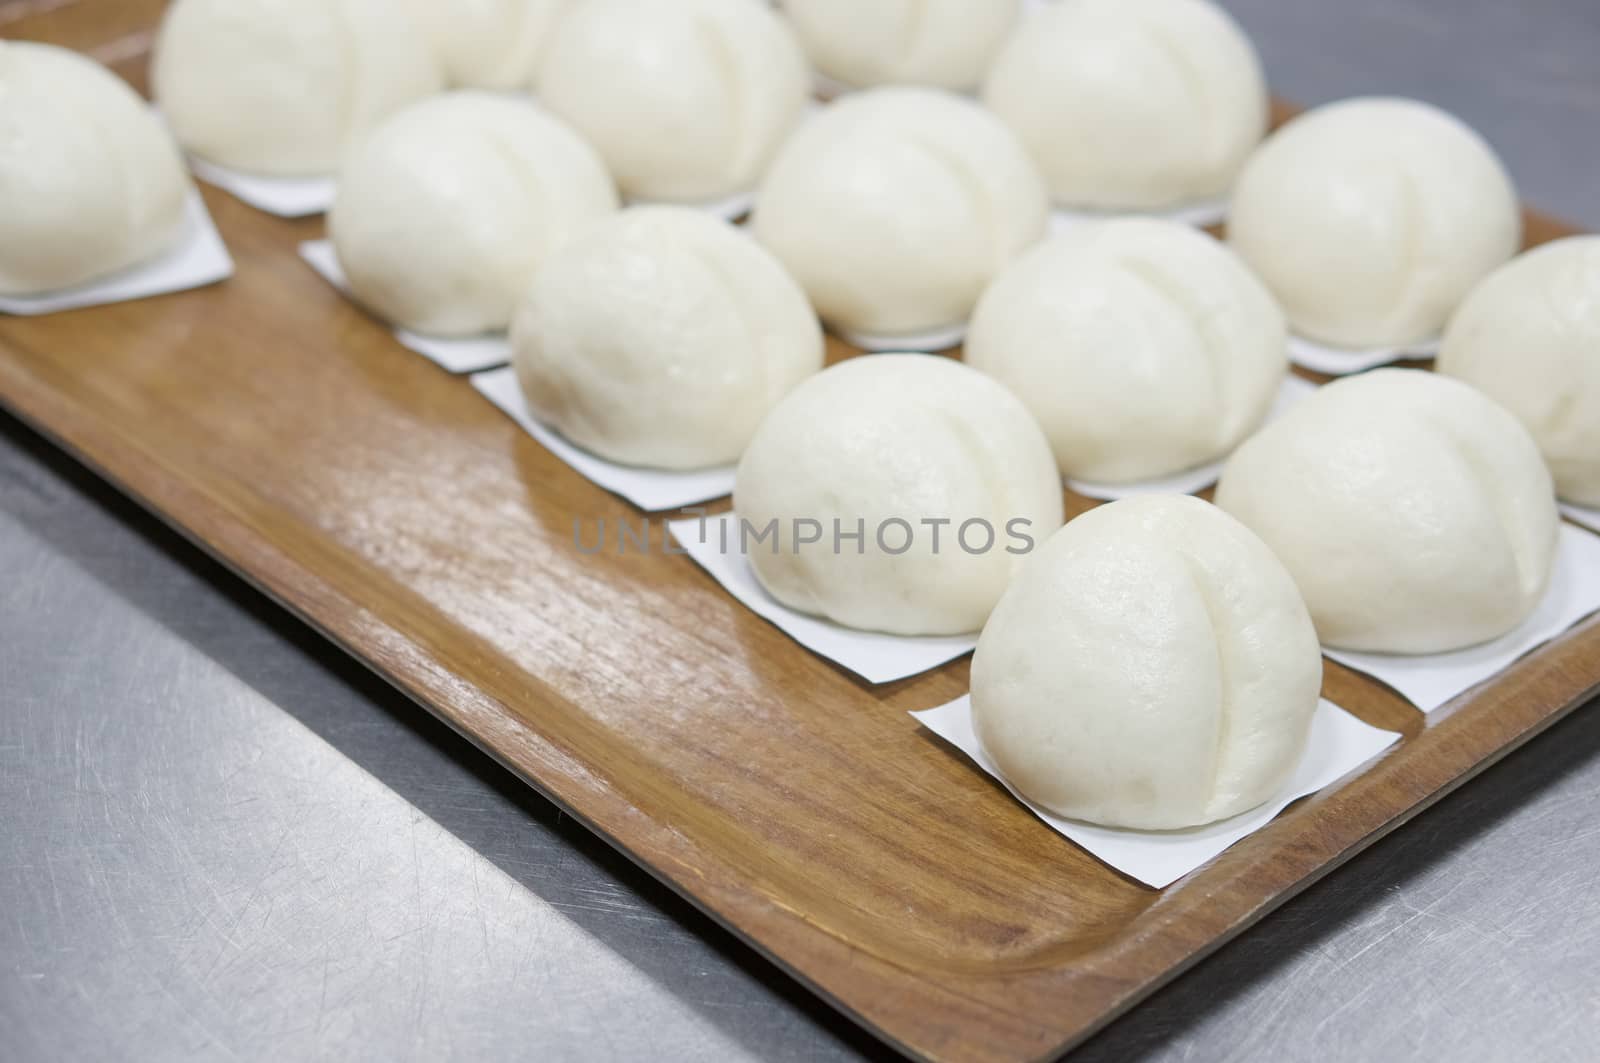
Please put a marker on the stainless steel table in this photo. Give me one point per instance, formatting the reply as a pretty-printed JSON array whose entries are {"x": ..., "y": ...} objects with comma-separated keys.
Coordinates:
[{"x": 219, "y": 837}]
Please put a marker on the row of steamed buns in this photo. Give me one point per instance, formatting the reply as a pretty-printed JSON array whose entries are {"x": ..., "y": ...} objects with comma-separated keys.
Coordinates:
[
  {"x": 690, "y": 100},
  {"x": 1142, "y": 348},
  {"x": 1154, "y": 663},
  {"x": 660, "y": 338},
  {"x": 894, "y": 208}
]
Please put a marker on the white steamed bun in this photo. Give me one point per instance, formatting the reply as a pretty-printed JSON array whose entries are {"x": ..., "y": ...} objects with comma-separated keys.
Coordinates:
[
  {"x": 661, "y": 338},
  {"x": 447, "y": 210},
  {"x": 489, "y": 44},
  {"x": 281, "y": 87},
  {"x": 686, "y": 100},
  {"x": 947, "y": 44},
  {"x": 1371, "y": 219},
  {"x": 1143, "y": 347},
  {"x": 896, "y": 207},
  {"x": 1415, "y": 514},
  {"x": 1132, "y": 104},
  {"x": 1152, "y": 667},
  {"x": 883, "y": 445},
  {"x": 1529, "y": 338},
  {"x": 90, "y": 181}
]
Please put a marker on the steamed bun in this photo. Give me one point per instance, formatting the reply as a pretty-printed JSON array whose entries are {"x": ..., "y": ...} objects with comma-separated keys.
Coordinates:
[
  {"x": 1371, "y": 219},
  {"x": 662, "y": 337},
  {"x": 445, "y": 213},
  {"x": 489, "y": 44},
  {"x": 1132, "y": 104},
  {"x": 1416, "y": 515},
  {"x": 90, "y": 181},
  {"x": 686, "y": 100},
  {"x": 895, "y": 208},
  {"x": 947, "y": 44},
  {"x": 1153, "y": 667},
  {"x": 1143, "y": 347},
  {"x": 1529, "y": 338},
  {"x": 282, "y": 86},
  {"x": 940, "y": 470}
]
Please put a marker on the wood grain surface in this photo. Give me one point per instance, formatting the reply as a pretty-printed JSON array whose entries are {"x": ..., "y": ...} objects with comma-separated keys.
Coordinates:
[{"x": 395, "y": 510}]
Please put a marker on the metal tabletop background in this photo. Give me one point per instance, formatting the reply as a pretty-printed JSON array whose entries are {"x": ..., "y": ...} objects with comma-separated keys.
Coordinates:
[{"x": 219, "y": 837}]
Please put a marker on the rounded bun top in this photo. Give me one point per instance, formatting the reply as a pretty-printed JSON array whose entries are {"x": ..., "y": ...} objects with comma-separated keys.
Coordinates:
[
  {"x": 946, "y": 44},
  {"x": 883, "y": 443},
  {"x": 1416, "y": 515},
  {"x": 1132, "y": 104},
  {"x": 1371, "y": 219},
  {"x": 1529, "y": 338},
  {"x": 90, "y": 180},
  {"x": 1153, "y": 667},
  {"x": 662, "y": 337},
  {"x": 282, "y": 86},
  {"x": 687, "y": 101},
  {"x": 895, "y": 208},
  {"x": 446, "y": 211},
  {"x": 1143, "y": 347}
]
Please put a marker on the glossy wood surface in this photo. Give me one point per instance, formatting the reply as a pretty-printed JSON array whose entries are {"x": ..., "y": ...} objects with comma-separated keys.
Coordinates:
[{"x": 394, "y": 509}]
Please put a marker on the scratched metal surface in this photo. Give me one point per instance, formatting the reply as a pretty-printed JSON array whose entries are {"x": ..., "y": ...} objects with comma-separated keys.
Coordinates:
[{"x": 219, "y": 837}]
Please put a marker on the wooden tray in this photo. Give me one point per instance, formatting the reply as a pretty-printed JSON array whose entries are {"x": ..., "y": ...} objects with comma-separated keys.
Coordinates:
[{"x": 395, "y": 510}]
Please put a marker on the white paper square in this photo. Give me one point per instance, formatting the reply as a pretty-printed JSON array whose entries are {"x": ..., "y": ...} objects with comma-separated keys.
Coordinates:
[
  {"x": 874, "y": 656},
  {"x": 1291, "y": 391},
  {"x": 929, "y": 342},
  {"x": 650, "y": 489},
  {"x": 1339, "y": 361},
  {"x": 1430, "y": 680},
  {"x": 1201, "y": 215},
  {"x": 286, "y": 197},
  {"x": 198, "y": 258},
  {"x": 1589, "y": 518},
  {"x": 1339, "y": 743},
  {"x": 470, "y": 354}
]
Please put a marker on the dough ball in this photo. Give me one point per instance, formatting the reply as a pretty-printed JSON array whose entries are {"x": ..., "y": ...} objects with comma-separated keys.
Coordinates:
[
  {"x": 896, "y": 207},
  {"x": 90, "y": 181},
  {"x": 448, "y": 209},
  {"x": 1153, "y": 667},
  {"x": 281, "y": 87},
  {"x": 661, "y": 338},
  {"x": 947, "y": 44},
  {"x": 941, "y": 470},
  {"x": 1143, "y": 347},
  {"x": 1371, "y": 219},
  {"x": 1132, "y": 104},
  {"x": 687, "y": 100},
  {"x": 489, "y": 44},
  {"x": 1529, "y": 338},
  {"x": 1415, "y": 514}
]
